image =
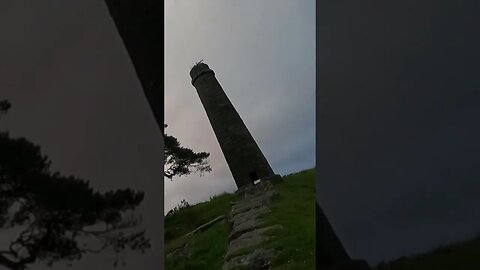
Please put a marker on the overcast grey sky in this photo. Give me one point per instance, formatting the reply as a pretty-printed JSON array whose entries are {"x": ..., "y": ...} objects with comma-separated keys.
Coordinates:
[
  {"x": 398, "y": 105},
  {"x": 75, "y": 93},
  {"x": 263, "y": 55}
]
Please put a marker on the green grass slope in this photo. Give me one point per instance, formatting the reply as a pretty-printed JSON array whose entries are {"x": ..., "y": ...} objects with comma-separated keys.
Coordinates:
[
  {"x": 194, "y": 216},
  {"x": 293, "y": 208},
  {"x": 459, "y": 256},
  {"x": 204, "y": 249}
]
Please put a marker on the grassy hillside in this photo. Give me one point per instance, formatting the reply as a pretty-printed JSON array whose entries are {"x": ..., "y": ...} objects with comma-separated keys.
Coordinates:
[
  {"x": 459, "y": 256},
  {"x": 194, "y": 216},
  {"x": 204, "y": 250},
  {"x": 293, "y": 208}
]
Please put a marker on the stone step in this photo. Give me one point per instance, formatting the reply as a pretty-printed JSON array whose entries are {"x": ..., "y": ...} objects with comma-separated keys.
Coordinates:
[
  {"x": 249, "y": 239},
  {"x": 259, "y": 259},
  {"x": 252, "y": 203}
]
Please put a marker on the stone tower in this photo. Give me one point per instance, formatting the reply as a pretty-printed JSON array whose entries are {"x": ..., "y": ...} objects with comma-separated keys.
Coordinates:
[{"x": 245, "y": 159}]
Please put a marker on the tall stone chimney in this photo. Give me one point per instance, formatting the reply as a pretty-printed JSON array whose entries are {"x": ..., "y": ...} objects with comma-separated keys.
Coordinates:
[{"x": 245, "y": 159}]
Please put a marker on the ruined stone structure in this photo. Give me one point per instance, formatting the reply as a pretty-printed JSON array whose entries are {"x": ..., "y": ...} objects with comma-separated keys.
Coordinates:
[{"x": 245, "y": 159}]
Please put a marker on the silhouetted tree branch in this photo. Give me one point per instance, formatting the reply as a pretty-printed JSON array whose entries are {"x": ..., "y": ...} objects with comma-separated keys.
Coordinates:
[
  {"x": 180, "y": 161},
  {"x": 59, "y": 217}
]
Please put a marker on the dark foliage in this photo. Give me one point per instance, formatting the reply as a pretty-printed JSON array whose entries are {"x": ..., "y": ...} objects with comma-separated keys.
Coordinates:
[
  {"x": 182, "y": 205},
  {"x": 183, "y": 161},
  {"x": 4, "y": 106},
  {"x": 58, "y": 217}
]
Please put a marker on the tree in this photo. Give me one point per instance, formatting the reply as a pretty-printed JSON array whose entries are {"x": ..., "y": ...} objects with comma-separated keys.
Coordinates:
[
  {"x": 56, "y": 217},
  {"x": 180, "y": 161}
]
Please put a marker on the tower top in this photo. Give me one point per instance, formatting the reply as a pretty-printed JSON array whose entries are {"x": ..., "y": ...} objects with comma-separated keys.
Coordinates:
[{"x": 199, "y": 69}]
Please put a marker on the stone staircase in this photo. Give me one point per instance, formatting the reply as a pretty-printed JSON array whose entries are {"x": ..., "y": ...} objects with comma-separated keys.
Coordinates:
[{"x": 249, "y": 231}]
